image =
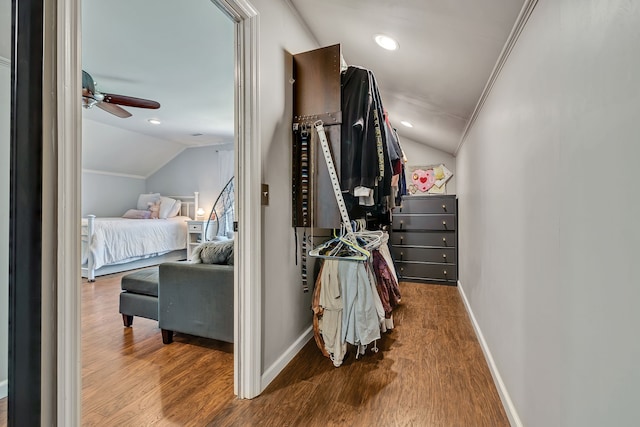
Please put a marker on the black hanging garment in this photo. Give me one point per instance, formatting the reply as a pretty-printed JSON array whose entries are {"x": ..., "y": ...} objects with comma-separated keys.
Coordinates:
[
  {"x": 365, "y": 160},
  {"x": 359, "y": 157}
]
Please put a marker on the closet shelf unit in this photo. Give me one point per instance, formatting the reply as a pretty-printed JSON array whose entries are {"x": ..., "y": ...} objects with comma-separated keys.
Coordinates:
[{"x": 316, "y": 96}]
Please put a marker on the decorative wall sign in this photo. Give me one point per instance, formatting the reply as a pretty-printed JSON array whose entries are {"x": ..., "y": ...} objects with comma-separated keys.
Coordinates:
[{"x": 428, "y": 179}]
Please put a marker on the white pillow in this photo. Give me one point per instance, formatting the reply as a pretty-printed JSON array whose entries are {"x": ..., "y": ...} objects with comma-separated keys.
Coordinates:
[
  {"x": 176, "y": 209},
  {"x": 144, "y": 200},
  {"x": 167, "y": 207}
]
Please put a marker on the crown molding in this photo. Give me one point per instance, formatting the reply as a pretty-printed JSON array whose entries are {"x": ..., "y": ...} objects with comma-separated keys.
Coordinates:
[
  {"x": 521, "y": 21},
  {"x": 121, "y": 175}
]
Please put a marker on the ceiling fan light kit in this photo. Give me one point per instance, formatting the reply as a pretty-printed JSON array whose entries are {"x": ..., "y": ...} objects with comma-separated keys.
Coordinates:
[{"x": 111, "y": 102}]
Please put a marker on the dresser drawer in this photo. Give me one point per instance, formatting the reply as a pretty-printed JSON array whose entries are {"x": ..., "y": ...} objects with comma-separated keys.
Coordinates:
[
  {"x": 424, "y": 222},
  {"x": 407, "y": 253},
  {"x": 445, "y": 239},
  {"x": 195, "y": 227},
  {"x": 424, "y": 271},
  {"x": 427, "y": 204}
]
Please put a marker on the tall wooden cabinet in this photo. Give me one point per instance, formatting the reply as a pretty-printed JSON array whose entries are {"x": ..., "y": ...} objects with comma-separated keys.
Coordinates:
[
  {"x": 424, "y": 239},
  {"x": 316, "y": 96}
]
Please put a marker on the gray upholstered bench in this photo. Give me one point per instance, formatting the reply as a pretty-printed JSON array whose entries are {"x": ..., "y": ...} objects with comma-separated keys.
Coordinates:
[{"x": 139, "y": 296}]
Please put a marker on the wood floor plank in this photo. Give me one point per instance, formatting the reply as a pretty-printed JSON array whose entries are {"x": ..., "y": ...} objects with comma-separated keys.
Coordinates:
[{"x": 429, "y": 371}]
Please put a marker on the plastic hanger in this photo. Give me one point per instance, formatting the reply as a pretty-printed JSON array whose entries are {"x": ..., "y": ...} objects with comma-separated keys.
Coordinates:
[
  {"x": 345, "y": 246},
  {"x": 340, "y": 247}
]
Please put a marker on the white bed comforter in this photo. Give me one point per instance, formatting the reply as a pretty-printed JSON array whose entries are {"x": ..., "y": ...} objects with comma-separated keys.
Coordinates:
[{"x": 118, "y": 240}]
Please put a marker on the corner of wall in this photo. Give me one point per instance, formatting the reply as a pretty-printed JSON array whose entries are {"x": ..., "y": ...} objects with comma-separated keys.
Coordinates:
[
  {"x": 272, "y": 371},
  {"x": 510, "y": 409}
]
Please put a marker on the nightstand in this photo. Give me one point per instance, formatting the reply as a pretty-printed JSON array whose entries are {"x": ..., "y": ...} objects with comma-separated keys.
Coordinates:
[{"x": 195, "y": 235}]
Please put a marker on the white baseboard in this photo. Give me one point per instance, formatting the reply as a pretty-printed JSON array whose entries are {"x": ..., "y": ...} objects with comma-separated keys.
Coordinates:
[
  {"x": 510, "y": 409},
  {"x": 4, "y": 390},
  {"x": 286, "y": 357}
]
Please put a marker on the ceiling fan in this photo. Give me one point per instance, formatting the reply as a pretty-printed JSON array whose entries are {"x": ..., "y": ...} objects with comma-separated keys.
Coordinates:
[{"x": 110, "y": 102}]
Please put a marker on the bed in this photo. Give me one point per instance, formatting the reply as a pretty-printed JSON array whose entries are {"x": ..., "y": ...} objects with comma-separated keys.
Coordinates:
[{"x": 116, "y": 244}]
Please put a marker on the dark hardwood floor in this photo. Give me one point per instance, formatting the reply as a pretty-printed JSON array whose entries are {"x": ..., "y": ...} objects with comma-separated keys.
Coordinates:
[{"x": 430, "y": 371}]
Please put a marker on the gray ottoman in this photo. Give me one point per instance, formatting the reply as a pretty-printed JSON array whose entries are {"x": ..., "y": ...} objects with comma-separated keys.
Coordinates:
[{"x": 139, "y": 296}]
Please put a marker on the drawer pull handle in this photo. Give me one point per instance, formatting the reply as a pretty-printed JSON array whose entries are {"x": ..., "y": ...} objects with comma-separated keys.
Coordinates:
[
  {"x": 444, "y": 239},
  {"x": 444, "y": 223},
  {"x": 444, "y": 255},
  {"x": 444, "y": 207},
  {"x": 401, "y": 222},
  {"x": 445, "y": 272},
  {"x": 401, "y": 239},
  {"x": 401, "y": 255}
]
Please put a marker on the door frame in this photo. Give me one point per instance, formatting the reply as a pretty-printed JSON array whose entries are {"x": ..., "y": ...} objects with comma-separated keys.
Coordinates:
[{"x": 248, "y": 172}]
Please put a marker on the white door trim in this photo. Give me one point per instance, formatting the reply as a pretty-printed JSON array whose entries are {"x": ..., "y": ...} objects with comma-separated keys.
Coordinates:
[
  {"x": 248, "y": 172},
  {"x": 69, "y": 164}
]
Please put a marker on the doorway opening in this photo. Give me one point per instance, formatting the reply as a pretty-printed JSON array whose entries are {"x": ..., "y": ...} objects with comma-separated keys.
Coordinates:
[
  {"x": 204, "y": 162},
  {"x": 56, "y": 389}
]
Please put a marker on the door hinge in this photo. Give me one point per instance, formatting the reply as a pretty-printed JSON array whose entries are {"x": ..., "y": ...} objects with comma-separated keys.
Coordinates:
[{"x": 235, "y": 226}]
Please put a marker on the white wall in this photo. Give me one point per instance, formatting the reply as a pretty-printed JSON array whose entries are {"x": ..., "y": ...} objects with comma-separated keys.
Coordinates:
[
  {"x": 286, "y": 309},
  {"x": 116, "y": 164},
  {"x": 105, "y": 194},
  {"x": 111, "y": 149},
  {"x": 5, "y": 114},
  {"x": 419, "y": 154},
  {"x": 202, "y": 169},
  {"x": 5, "y": 24},
  {"x": 549, "y": 213}
]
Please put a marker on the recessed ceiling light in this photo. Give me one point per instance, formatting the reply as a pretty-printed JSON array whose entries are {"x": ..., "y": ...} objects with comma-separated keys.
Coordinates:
[
  {"x": 154, "y": 121},
  {"x": 407, "y": 124},
  {"x": 386, "y": 42}
]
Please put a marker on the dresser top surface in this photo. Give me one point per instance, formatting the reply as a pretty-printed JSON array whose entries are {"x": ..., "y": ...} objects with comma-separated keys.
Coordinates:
[{"x": 429, "y": 196}]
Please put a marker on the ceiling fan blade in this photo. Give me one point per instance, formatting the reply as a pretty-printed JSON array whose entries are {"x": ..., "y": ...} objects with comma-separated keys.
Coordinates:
[
  {"x": 114, "y": 109},
  {"x": 130, "y": 101},
  {"x": 87, "y": 83}
]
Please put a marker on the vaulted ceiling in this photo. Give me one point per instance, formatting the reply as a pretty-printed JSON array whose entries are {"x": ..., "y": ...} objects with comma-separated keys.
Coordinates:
[
  {"x": 181, "y": 55},
  {"x": 176, "y": 53},
  {"x": 447, "y": 49}
]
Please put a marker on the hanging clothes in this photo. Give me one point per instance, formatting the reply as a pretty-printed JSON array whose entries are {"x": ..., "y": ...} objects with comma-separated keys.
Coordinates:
[
  {"x": 331, "y": 302},
  {"x": 370, "y": 149},
  {"x": 353, "y": 301},
  {"x": 386, "y": 283},
  {"x": 359, "y": 166},
  {"x": 360, "y": 323}
]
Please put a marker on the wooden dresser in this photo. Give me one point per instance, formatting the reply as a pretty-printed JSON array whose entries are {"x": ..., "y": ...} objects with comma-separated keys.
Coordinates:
[{"x": 424, "y": 239}]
